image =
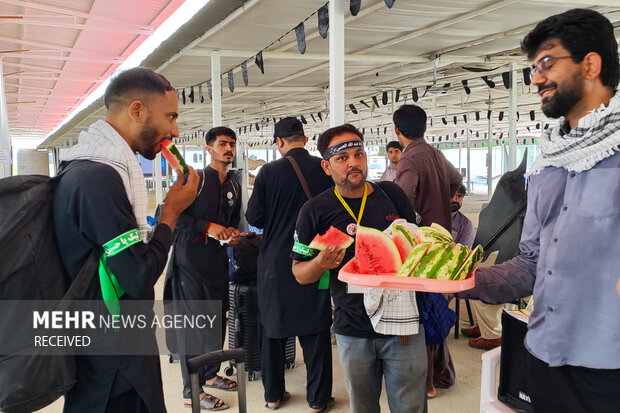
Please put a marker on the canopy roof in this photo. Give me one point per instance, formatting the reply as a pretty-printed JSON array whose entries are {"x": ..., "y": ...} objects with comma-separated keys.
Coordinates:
[{"x": 428, "y": 46}]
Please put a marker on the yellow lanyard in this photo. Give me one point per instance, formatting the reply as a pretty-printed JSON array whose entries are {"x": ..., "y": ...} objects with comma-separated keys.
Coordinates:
[{"x": 346, "y": 206}]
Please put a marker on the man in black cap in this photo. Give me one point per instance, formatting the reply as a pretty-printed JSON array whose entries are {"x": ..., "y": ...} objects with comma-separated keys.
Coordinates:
[{"x": 288, "y": 309}]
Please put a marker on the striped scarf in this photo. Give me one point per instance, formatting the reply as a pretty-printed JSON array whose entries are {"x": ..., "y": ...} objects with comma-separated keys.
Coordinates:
[
  {"x": 596, "y": 137},
  {"x": 102, "y": 143}
]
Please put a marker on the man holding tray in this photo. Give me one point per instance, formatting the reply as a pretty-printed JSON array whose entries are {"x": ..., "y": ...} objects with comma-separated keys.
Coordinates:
[
  {"x": 366, "y": 356},
  {"x": 570, "y": 241}
]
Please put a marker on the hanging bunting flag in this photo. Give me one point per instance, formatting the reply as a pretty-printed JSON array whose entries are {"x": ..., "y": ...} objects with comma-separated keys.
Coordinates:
[
  {"x": 397, "y": 96},
  {"x": 231, "y": 81},
  {"x": 440, "y": 139},
  {"x": 320, "y": 115},
  {"x": 274, "y": 121},
  {"x": 323, "y": 14},
  {"x": 259, "y": 62},
  {"x": 384, "y": 98},
  {"x": 183, "y": 95},
  {"x": 245, "y": 129},
  {"x": 517, "y": 116},
  {"x": 546, "y": 126},
  {"x": 364, "y": 103},
  {"x": 303, "y": 120},
  {"x": 426, "y": 90},
  {"x": 465, "y": 117},
  {"x": 301, "y": 37},
  {"x": 445, "y": 122},
  {"x": 532, "y": 115},
  {"x": 506, "y": 79},
  {"x": 377, "y": 131},
  {"x": 431, "y": 122},
  {"x": 414, "y": 94},
  {"x": 385, "y": 130},
  {"x": 454, "y": 120},
  {"x": 467, "y": 89},
  {"x": 313, "y": 118},
  {"x": 488, "y": 81},
  {"x": 538, "y": 125},
  {"x": 489, "y": 114},
  {"x": 389, "y": 3},
  {"x": 209, "y": 90},
  {"x": 200, "y": 95},
  {"x": 501, "y": 135},
  {"x": 244, "y": 72},
  {"x": 250, "y": 127},
  {"x": 501, "y": 115},
  {"x": 221, "y": 87},
  {"x": 526, "y": 76},
  {"x": 354, "y": 6},
  {"x": 477, "y": 115},
  {"x": 191, "y": 94},
  {"x": 528, "y": 129},
  {"x": 256, "y": 126},
  {"x": 376, "y": 102},
  {"x": 477, "y": 134},
  {"x": 363, "y": 131},
  {"x": 353, "y": 109}
]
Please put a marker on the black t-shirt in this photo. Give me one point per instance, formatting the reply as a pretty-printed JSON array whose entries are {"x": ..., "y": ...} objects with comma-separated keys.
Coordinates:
[{"x": 385, "y": 204}]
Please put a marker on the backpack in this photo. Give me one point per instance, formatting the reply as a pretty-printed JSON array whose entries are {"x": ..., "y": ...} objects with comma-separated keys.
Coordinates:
[
  {"x": 32, "y": 270},
  {"x": 244, "y": 258}
]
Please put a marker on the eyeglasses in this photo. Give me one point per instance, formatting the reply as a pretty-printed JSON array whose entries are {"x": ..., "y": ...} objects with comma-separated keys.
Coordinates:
[{"x": 545, "y": 64}]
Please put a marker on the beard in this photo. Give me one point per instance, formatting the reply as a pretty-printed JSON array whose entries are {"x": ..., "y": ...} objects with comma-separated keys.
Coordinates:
[
  {"x": 346, "y": 183},
  {"x": 564, "y": 97},
  {"x": 146, "y": 139},
  {"x": 454, "y": 206}
]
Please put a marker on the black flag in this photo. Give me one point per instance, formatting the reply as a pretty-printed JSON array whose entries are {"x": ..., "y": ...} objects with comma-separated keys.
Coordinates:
[
  {"x": 183, "y": 95},
  {"x": 323, "y": 21},
  {"x": 259, "y": 62},
  {"x": 526, "y": 76},
  {"x": 231, "y": 81},
  {"x": 374, "y": 99},
  {"x": 414, "y": 94},
  {"x": 191, "y": 94},
  {"x": 389, "y": 3},
  {"x": 506, "y": 79},
  {"x": 397, "y": 96},
  {"x": 209, "y": 90},
  {"x": 200, "y": 95},
  {"x": 244, "y": 72},
  {"x": 467, "y": 89},
  {"x": 364, "y": 103},
  {"x": 352, "y": 107},
  {"x": 384, "y": 98},
  {"x": 354, "y": 6},
  {"x": 301, "y": 37},
  {"x": 488, "y": 81}
]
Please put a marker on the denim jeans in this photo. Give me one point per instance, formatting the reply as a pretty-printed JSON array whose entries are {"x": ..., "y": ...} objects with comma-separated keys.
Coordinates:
[{"x": 366, "y": 361}]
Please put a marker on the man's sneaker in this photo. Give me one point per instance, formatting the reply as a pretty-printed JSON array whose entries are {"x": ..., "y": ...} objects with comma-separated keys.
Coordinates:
[
  {"x": 473, "y": 332},
  {"x": 485, "y": 344}
]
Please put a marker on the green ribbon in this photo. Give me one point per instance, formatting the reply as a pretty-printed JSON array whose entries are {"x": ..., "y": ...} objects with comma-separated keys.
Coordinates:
[
  {"x": 111, "y": 289},
  {"x": 306, "y": 251}
]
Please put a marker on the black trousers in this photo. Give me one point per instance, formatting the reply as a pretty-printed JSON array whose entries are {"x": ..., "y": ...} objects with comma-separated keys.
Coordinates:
[
  {"x": 317, "y": 350},
  {"x": 570, "y": 389},
  {"x": 187, "y": 290}
]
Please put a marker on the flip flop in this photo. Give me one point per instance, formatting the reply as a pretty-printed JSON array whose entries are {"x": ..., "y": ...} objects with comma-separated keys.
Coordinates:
[
  {"x": 222, "y": 383},
  {"x": 328, "y": 406},
  {"x": 209, "y": 402},
  {"x": 286, "y": 396}
]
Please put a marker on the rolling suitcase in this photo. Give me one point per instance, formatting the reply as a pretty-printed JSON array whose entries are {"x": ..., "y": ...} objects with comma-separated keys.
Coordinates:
[{"x": 244, "y": 327}]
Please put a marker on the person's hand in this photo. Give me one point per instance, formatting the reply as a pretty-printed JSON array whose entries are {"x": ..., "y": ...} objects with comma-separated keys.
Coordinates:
[
  {"x": 235, "y": 236},
  {"x": 330, "y": 258},
  {"x": 218, "y": 231},
  {"x": 179, "y": 198}
]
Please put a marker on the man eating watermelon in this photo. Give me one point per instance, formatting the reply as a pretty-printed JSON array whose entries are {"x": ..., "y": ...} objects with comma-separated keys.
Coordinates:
[{"x": 354, "y": 202}]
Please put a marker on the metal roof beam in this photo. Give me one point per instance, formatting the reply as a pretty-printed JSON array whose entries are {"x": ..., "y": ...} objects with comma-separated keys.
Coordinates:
[{"x": 78, "y": 26}]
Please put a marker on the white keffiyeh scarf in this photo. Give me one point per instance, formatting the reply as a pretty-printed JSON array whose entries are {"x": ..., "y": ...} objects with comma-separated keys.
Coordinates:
[
  {"x": 393, "y": 312},
  {"x": 596, "y": 137},
  {"x": 102, "y": 143}
]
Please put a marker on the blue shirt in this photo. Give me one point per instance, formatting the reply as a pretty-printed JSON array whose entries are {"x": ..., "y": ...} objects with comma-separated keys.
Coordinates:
[{"x": 570, "y": 260}]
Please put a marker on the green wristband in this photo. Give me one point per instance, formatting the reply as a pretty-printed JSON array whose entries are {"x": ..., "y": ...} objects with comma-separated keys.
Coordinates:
[{"x": 306, "y": 251}]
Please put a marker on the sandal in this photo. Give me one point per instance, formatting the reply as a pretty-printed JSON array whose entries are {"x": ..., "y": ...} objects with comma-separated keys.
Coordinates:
[
  {"x": 330, "y": 403},
  {"x": 211, "y": 403},
  {"x": 286, "y": 396},
  {"x": 222, "y": 383}
]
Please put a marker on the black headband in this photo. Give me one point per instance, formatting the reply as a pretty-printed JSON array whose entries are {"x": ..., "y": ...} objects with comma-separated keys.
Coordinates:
[{"x": 342, "y": 146}]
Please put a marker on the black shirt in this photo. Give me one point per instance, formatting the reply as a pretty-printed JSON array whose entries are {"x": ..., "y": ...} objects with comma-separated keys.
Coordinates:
[
  {"x": 287, "y": 308},
  {"x": 385, "y": 204},
  {"x": 91, "y": 208},
  {"x": 195, "y": 253}
]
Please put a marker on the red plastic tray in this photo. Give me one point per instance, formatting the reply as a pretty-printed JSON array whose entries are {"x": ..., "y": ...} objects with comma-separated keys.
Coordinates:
[{"x": 392, "y": 282}]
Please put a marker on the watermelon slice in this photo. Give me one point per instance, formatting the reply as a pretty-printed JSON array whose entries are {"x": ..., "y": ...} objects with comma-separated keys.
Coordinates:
[
  {"x": 413, "y": 259},
  {"x": 333, "y": 237},
  {"x": 404, "y": 240},
  {"x": 430, "y": 234},
  {"x": 469, "y": 264},
  {"x": 173, "y": 156},
  {"x": 441, "y": 229},
  {"x": 375, "y": 252}
]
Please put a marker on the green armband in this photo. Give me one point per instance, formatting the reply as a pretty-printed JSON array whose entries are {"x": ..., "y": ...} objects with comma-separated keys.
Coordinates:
[
  {"x": 111, "y": 289},
  {"x": 306, "y": 251}
]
